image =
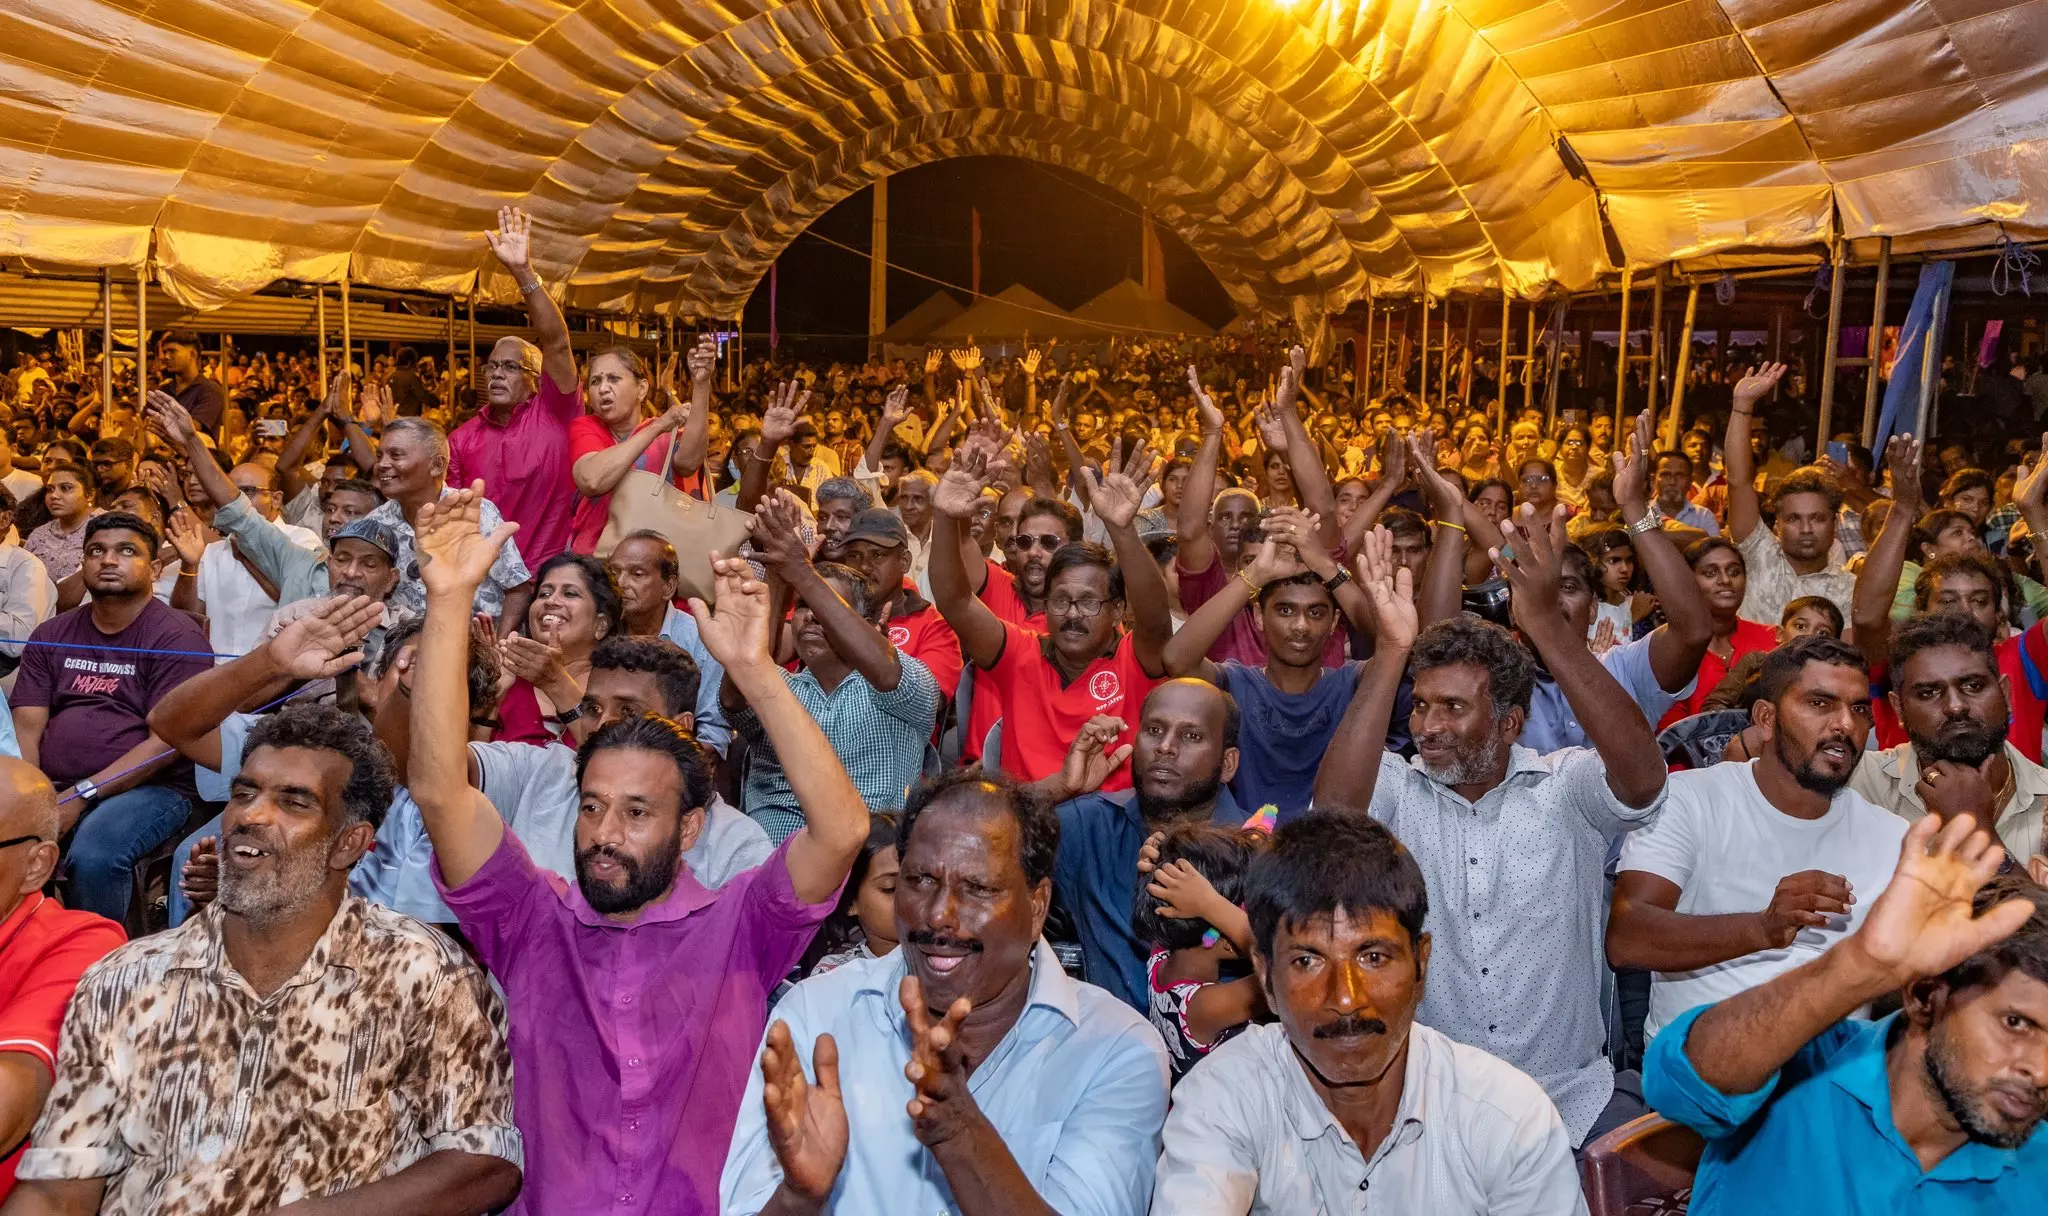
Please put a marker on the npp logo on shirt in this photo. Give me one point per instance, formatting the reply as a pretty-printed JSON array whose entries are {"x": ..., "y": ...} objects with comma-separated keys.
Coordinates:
[
  {"x": 91, "y": 677},
  {"x": 899, "y": 636},
  {"x": 1106, "y": 689}
]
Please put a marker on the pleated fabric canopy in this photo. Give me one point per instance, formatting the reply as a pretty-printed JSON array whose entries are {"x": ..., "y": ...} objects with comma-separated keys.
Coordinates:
[{"x": 1308, "y": 150}]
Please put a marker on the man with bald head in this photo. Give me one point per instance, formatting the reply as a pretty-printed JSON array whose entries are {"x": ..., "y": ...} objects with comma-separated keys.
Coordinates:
[
  {"x": 518, "y": 443},
  {"x": 1183, "y": 756},
  {"x": 44, "y": 948}
]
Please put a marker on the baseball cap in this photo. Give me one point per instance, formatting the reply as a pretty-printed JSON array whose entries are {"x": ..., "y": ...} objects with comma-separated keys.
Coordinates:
[
  {"x": 370, "y": 532},
  {"x": 876, "y": 526}
]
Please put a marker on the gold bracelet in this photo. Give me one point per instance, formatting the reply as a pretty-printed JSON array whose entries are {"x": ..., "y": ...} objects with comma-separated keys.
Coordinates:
[
  {"x": 1445, "y": 523},
  {"x": 184, "y": 573},
  {"x": 1249, "y": 585}
]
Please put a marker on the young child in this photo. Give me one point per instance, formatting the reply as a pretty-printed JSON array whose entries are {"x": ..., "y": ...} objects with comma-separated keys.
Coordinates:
[
  {"x": 1614, "y": 564},
  {"x": 1809, "y": 614},
  {"x": 1188, "y": 914},
  {"x": 864, "y": 923}
]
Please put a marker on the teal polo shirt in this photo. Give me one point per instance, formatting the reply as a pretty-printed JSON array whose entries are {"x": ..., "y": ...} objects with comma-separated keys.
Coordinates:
[{"x": 1818, "y": 1139}]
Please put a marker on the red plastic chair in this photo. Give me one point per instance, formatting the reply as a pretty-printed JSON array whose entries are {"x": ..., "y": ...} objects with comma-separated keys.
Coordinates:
[{"x": 1642, "y": 1168}]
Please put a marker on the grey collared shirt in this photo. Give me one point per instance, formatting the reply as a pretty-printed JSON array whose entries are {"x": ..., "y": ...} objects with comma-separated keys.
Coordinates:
[
  {"x": 1889, "y": 778},
  {"x": 1518, "y": 913},
  {"x": 1249, "y": 1136}
]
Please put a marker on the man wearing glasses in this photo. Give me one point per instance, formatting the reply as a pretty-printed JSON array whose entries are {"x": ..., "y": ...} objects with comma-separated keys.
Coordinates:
[
  {"x": 44, "y": 948},
  {"x": 1015, "y": 592}
]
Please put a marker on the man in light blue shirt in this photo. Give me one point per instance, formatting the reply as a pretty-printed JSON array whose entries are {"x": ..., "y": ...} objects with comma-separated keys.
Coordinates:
[
  {"x": 1032, "y": 1094},
  {"x": 1674, "y": 482},
  {"x": 1935, "y": 1109}
]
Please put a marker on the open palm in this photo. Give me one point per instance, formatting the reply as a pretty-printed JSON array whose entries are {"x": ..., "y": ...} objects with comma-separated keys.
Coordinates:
[
  {"x": 455, "y": 555},
  {"x": 736, "y": 631},
  {"x": 1924, "y": 922},
  {"x": 1119, "y": 492},
  {"x": 322, "y": 643},
  {"x": 806, "y": 1120}
]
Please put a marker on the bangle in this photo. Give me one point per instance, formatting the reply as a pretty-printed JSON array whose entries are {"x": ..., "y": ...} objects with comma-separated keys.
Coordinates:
[
  {"x": 1445, "y": 523},
  {"x": 1249, "y": 585},
  {"x": 184, "y": 573}
]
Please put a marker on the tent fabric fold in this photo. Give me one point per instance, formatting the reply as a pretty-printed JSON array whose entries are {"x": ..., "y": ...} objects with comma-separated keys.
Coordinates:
[{"x": 1310, "y": 151}]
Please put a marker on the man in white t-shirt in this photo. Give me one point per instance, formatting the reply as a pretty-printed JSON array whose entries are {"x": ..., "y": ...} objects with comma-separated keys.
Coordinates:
[{"x": 1755, "y": 868}]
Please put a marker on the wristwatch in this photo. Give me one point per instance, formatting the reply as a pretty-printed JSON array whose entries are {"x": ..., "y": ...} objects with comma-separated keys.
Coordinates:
[
  {"x": 1650, "y": 522},
  {"x": 87, "y": 792},
  {"x": 1337, "y": 580},
  {"x": 569, "y": 715}
]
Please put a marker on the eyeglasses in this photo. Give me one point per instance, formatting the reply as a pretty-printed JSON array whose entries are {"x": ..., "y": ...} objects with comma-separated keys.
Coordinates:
[
  {"x": 1538, "y": 479},
  {"x": 1060, "y": 605},
  {"x": 504, "y": 365},
  {"x": 1024, "y": 542},
  {"x": 8, "y": 844}
]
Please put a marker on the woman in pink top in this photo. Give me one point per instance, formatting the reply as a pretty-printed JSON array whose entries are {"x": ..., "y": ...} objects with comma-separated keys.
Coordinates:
[{"x": 611, "y": 440}]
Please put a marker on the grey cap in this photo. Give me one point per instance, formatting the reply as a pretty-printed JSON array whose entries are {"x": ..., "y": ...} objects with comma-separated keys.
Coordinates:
[
  {"x": 370, "y": 532},
  {"x": 878, "y": 526}
]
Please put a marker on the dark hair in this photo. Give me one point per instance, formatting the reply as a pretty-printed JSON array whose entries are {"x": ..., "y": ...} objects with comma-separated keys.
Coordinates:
[
  {"x": 1964, "y": 480},
  {"x": 1819, "y": 603},
  {"x": 1510, "y": 672},
  {"x": 1670, "y": 454},
  {"x": 1038, "y": 504},
  {"x": 114, "y": 447},
  {"x": 1219, "y": 854},
  {"x": 1930, "y": 526},
  {"x": 675, "y": 672},
  {"x": 1697, "y": 551},
  {"x": 1949, "y": 564},
  {"x": 359, "y": 486},
  {"x": 1304, "y": 579},
  {"x": 371, "y": 778},
  {"x": 860, "y": 589},
  {"x": 604, "y": 592},
  {"x": 2026, "y": 951},
  {"x": 1483, "y": 484},
  {"x": 181, "y": 337},
  {"x": 1784, "y": 664},
  {"x": 1038, "y": 825},
  {"x": 404, "y": 356},
  {"x": 635, "y": 365},
  {"x": 86, "y": 482},
  {"x": 1938, "y": 629},
  {"x": 7, "y": 504},
  {"x": 671, "y": 565},
  {"x": 653, "y": 733},
  {"x": 1400, "y": 521},
  {"x": 1324, "y": 861},
  {"x": 1598, "y": 544},
  {"x": 1076, "y": 554},
  {"x": 111, "y": 521},
  {"x": 840, "y": 929},
  {"x": 1806, "y": 481}
]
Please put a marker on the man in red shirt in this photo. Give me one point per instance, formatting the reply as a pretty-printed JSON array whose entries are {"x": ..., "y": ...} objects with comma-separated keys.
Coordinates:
[
  {"x": 1016, "y": 593},
  {"x": 44, "y": 948},
  {"x": 519, "y": 443},
  {"x": 875, "y": 544},
  {"x": 1048, "y": 687}
]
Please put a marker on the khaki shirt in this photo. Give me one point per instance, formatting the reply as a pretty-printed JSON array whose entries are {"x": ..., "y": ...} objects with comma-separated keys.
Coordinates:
[
  {"x": 1888, "y": 778},
  {"x": 190, "y": 1094}
]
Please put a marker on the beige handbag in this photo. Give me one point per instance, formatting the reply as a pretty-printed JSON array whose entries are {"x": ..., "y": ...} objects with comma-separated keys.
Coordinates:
[{"x": 696, "y": 528}]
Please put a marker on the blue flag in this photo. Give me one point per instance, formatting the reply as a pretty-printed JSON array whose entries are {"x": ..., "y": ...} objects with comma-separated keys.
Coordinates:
[{"x": 1902, "y": 391}]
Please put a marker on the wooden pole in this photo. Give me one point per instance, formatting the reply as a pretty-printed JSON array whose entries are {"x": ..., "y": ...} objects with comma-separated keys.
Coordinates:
[
  {"x": 1830, "y": 351},
  {"x": 1528, "y": 368},
  {"x": 448, "y": 397},
  {"x": 1443, "y": 359},
  {"x": 320, "y": 324},
  {"x": 1681, "y": 368},
  {"x": 348, "y": 337},
  {"x": 1656, "y": 379},
  {"x": 1386, "y": 348},
  {"x": 1507, "y": 320},
  {"x": 1621, "y": 360},
  {"x": 141, "y": 337},
  {"x": 1422, "y": 384},
  {"x": 106, "y": 337},
  {"x": 1874, "y": 347},
  {"x": 1362, "y": 357},
  {"x": 878, "y": 266},
  {"x": 1465, "y": 359}
]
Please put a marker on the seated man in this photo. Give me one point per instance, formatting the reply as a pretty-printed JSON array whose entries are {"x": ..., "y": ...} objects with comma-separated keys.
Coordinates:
[
  {"x": 1068, "y": 1086},
  {"x": 1181, "y": 764},
  {"x": 292, "y": 1043},
  {"x": 44, "y": 948},
  {"x": 875, "y": 704},
  {"x": 645, "y": 566},
  {"x": 1755, "y": 868},
  {"x": 1935, "y": 1108},
  {"x": 1347, "y": 1094},
  {"x": 81, "y": 713},
  {"x": 625, "y": 1097}
]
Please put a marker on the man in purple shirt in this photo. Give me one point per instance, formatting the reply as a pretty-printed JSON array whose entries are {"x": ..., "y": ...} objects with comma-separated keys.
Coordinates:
[
  {"x": 635, "y": 997},
  {"x": 519, "y": 444}
]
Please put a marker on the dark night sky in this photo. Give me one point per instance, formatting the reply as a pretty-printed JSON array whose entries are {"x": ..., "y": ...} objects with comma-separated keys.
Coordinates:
[{"x": 1063, "y": 235}]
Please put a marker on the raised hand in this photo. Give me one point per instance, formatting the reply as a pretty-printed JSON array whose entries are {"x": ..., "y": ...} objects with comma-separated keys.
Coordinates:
[
  {"x": 1058, "y": 409},
  {"x": 1272, "y": 560},
  {"x": 941, "y": 1106},
  {"x": 1756, "y": 384},
  {"x": 703, "y": 362},
  {"x": 322, "y": 644},
  {"x": 1391, "y": 588},
  {"x": 776, "y": 535},
  {"x": 785, "y": 406},
  {"x": 958, "y": 493},
  {"x": 1272, "y": 432},
  {"x": 806, "y": 1121},
  {"x": 991, "y": 410},
  {"x": 171, "y": 419},
  {"x": 340, "y": 392},
  {"x": 736, "y": 633},
  {"x": 1116, "y": 495},
  {"x": 1446, "y": 501},
  {"x": 512, "y": 240},
  {"x": 186, "y": 536},
  {"x": 895, "y": 408},
  {"x": 454, "y": 554},
  {"x": 1183, "y": 892},
  {"x": 1535, "y": 567},
  {"x": 1031, "y": 360},
  {"x": 1923, "y": 922},
  {"x": 1093, "y": 756},
  {"x": 1632, "y": 471},
  {"x": 932, "y": 360},
  {"x": 1205, "y": 405},
  {"x": 2030, "y": 492},
  {"x": 1902, "y": 458}
]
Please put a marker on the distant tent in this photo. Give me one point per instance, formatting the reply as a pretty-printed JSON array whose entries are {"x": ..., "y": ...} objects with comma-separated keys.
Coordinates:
[
  {"x": 1128, "y": 306},
  {"x": 1014, "y": 312},
  {"x": 914, "y": 325}
]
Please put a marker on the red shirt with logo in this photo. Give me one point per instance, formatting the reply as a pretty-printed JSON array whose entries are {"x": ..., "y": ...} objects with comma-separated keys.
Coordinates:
[
  {"x": 44, "y": 948},
  {"x": 1042, "y": 716},
  {"x": 999, "y": 595},
  {"x": 925, "y": 636}
]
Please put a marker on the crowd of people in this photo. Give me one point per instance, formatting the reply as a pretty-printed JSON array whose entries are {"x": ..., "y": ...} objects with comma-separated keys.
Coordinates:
[{"x": 1171, "y": 781}]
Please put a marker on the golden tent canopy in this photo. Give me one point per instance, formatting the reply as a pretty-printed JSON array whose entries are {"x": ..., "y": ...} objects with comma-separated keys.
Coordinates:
[
  {"x": 1128, "y": 309},
  {"x": 1308, "y": 150}
]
